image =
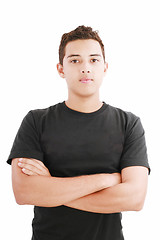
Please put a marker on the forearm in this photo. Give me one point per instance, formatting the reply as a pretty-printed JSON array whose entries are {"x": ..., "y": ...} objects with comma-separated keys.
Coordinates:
[
  {"x": 54, "y": 191},
  {"x": 121, "y": 197},
  {"x": 118, "y": 192}
]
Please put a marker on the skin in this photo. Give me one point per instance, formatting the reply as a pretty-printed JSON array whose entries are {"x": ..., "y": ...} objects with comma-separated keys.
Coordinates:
[
  {"x": 33, "y": 167},
  {"x": 83, "y": 97},
  {"x": 33, "y": 185},
  {"x": 126, "y": 191}
]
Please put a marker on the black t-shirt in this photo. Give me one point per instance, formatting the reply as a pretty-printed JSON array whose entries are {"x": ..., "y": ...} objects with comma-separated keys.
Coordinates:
[{"x": 72, "y": 143}]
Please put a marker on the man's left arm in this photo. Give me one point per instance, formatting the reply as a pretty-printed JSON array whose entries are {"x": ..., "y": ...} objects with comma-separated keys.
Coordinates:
[
  {"x": 129, "y": 195},
  {"x": 126, "y": 196}
]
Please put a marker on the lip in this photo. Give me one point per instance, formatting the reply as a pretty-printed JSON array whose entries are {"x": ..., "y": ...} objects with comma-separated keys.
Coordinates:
[{"x": 86, "y": 80}]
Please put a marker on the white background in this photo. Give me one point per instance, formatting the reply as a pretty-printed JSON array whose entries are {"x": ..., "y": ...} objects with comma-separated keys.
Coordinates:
[{"x": 30, "y": 35}]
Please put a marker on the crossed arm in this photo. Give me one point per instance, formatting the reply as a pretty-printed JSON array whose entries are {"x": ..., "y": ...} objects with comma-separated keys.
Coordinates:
[{"x": 101, "y": 193}]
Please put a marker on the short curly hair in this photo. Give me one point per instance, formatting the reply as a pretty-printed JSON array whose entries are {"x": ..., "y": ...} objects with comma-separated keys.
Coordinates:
[{"x": 80, "y": 32}]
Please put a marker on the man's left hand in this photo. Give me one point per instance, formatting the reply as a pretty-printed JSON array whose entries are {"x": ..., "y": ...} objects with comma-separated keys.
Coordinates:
[{"x": 33, "y": 167}]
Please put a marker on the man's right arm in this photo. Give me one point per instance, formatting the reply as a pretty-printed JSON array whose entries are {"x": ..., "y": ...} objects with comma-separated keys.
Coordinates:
[{"x": 47, "y": 191}]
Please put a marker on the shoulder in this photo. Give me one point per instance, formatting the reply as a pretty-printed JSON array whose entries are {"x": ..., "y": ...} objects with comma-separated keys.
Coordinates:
[
  {"x": 129, "y": 122},
  {"x": 39, "y": 118},
  {"x": 123, "y": 116},
  {"x": 44, "y": 112}
]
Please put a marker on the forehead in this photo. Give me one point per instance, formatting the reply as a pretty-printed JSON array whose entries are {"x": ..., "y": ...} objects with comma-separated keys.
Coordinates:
[{"x": 83, "y": 47}]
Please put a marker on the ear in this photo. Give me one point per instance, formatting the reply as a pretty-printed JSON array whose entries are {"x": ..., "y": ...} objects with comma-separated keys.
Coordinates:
[
  {"x": 105, "y": 67},
  {"x": 60, "y": 70}
]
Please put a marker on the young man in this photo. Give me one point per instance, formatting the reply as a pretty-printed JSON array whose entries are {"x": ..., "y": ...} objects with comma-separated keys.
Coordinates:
[{"x": 80, "y": 162}]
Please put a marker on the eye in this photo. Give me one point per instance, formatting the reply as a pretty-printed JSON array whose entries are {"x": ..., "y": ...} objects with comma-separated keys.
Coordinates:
[
  {"x": 94, "y": 60},
  {"x": 74, "y": 61}
]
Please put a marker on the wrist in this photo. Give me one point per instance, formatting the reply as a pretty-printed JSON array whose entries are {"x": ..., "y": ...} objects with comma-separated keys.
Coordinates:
[
  {"x": 115, "y": 178},
  {"x": 107, "y": 180},
  {"x": 111, "y": 179}
]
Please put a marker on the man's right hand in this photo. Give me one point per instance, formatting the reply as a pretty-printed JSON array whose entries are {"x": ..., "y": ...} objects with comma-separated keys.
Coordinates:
[
  {"x": 112, "y": 179},
  {"x": 33, "y": 167}
]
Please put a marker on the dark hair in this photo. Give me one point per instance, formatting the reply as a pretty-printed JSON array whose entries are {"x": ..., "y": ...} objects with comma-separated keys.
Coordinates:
[{"x": 80, "y": 32}]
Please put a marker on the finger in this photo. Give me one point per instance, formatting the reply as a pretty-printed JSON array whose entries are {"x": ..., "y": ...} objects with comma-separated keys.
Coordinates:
[
  {"x": 28, "y": 172},
  {"x": 44, "y": 170},
  {"x": 29, "y": 167},
  {"x": 32, "y": 162},
  {"x": 40, "y": 170},
  {"x": 39, "y": 162}
]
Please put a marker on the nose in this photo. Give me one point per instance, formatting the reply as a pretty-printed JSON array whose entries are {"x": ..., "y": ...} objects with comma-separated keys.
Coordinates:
[
  {"x": 85, "y": 68},
  {"x": 85, "y": 71}
]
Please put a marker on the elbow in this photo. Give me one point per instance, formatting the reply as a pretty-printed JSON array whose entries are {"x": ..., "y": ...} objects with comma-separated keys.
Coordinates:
[
  {"x": 138, "y": 203},
  {"x": 139, "y": 206},
  {"x": 20, "y": 196},
  {"x": 138, "y": 199},
  {"x": 19, "y": 184},
  {"x": 20, "y": 199},
  {"x": 135, "y": 206},
  {"x": 135, "y": 203}
]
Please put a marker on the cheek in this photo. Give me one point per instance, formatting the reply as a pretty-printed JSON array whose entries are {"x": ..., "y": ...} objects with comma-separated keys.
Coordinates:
[
  {"x": 99, "y": 72},
  {"x": 68, "y": 69},
  {"x": 71, "y": 73}
]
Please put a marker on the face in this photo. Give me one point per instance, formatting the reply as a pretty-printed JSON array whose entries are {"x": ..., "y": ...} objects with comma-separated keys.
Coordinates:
[{"x": 83, "y": 67}]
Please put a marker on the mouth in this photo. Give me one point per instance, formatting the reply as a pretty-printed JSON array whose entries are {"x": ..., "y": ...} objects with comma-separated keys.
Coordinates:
[{"x": 86, "y": 80}]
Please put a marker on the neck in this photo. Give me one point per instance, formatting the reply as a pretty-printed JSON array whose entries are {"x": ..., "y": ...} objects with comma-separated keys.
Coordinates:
[{"x": 86, "y": 105}]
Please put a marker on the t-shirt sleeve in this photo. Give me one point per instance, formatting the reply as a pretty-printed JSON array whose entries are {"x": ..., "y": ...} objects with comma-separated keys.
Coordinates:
[
  {"x": 135, "y": 150},
  {"x": 27, "y": 141}
]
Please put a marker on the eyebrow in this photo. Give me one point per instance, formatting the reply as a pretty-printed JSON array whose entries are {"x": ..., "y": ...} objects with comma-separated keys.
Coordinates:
[{"x": 77, "y": 55}]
